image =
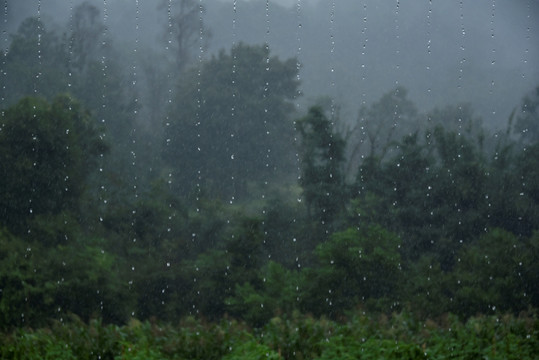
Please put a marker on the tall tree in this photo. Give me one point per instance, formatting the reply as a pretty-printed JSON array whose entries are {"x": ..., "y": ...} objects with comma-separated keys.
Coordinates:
[
  {"x": 527, "y": 123},
  {"x": 321, "y": 156},
  {"x": 229, "y": 124},
  {"x": 34, "y": 63},
  {"x": 380, "y": 125},
  {"x": 46, "y": 152},
  {"x": 184, "y": 29},
  {"x": 86, "y": 36},
  {"x": 432, "y": 191}
]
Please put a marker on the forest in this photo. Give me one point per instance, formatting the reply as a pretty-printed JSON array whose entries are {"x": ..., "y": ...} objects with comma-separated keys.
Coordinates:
[{"x": 186, "y": 207}]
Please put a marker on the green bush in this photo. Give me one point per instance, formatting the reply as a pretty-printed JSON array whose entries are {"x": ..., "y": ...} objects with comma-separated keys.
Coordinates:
[
  {"x": 358, "y": 336},
  {"x": 252, "y": 350}
]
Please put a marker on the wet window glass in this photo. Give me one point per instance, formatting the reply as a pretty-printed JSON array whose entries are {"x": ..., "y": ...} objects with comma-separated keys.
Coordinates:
[{"x": 296, "y": 179}]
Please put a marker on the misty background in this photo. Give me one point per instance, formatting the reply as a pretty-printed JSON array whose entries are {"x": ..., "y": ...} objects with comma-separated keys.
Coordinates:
[
  {"x": 256, "y": 159},
  {"x": 484, "y": 53}
]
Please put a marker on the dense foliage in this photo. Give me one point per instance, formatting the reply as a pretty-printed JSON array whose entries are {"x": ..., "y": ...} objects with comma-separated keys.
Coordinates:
[
  {"x": 438, "y": 226},
  {"x": 232, "y": 128},
  {"x": 398, "y": 336},
  {"x": 233, "y": 210},
  {"x": 46, "y": 153}
]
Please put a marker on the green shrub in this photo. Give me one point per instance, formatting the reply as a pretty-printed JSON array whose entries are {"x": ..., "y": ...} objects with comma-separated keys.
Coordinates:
[{"x": 252, "y": 350}]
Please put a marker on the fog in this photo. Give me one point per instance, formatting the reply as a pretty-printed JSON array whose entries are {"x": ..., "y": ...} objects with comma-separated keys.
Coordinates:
[
  {"x": 354, "y": 169},
  {"x": 484, "y": 53}
]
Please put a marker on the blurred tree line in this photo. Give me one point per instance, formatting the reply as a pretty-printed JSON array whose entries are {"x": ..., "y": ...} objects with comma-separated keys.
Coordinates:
[{"x": 240, "y": 206}]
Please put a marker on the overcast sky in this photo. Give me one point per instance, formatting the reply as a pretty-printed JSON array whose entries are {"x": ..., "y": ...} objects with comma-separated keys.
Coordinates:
[{"x": 485, "y": 52}]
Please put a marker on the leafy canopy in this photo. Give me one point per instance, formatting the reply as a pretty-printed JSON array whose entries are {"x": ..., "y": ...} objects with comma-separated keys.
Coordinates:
[
  {"x": 229, "y": 125},
  {"x": 46, "y": 152}
]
